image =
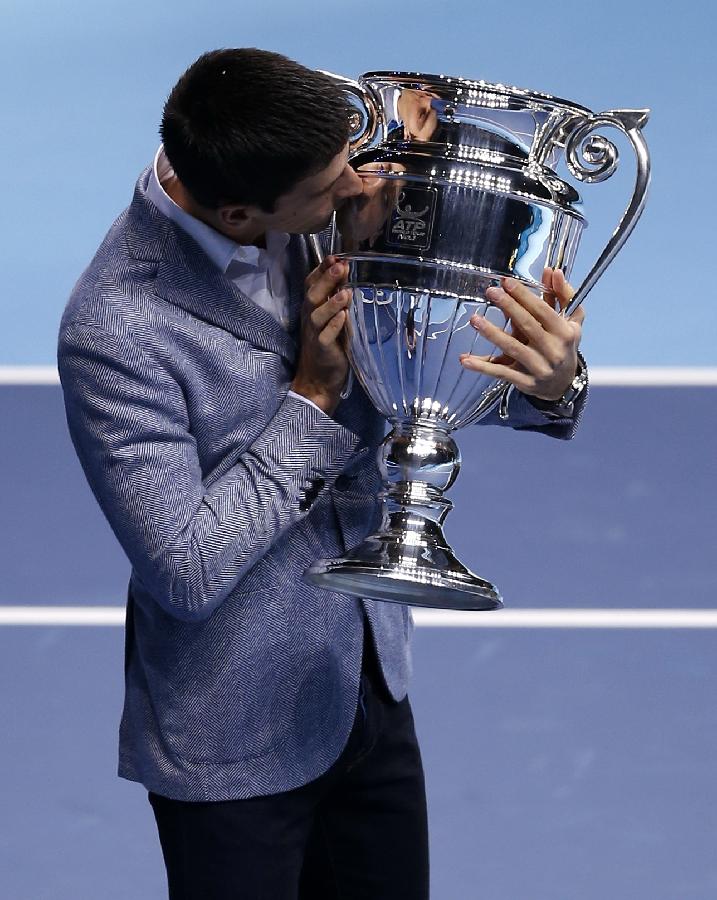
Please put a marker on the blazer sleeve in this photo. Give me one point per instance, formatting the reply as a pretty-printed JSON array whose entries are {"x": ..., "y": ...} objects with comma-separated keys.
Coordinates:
[{"x": 189, "y": 544}]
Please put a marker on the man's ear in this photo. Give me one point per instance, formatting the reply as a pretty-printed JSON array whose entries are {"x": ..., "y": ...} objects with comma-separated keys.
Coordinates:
[{"x": 234, "y": 216}]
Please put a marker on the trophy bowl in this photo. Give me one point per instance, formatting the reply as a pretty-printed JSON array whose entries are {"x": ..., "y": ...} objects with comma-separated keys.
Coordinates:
[{"x": 460, "y": 189}]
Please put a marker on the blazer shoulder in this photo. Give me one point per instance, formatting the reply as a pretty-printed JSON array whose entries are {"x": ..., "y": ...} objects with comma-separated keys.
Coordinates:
[
  {"x": 118, "y": 272},
  {"x": 111, "y": 288}
]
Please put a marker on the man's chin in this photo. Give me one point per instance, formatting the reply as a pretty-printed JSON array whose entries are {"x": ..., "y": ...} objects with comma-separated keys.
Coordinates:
[
  {"x": 324, "y": 224},
  {"x": 319, "y": 225}
]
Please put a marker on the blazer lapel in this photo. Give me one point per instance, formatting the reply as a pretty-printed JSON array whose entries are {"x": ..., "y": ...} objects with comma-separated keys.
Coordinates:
[{"x": 187, "y": 278}]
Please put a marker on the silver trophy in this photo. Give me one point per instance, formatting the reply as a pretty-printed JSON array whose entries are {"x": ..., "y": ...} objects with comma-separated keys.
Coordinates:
[{"x": 460, "y": 188}]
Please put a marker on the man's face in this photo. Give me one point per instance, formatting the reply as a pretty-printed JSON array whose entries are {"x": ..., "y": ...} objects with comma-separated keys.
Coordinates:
[{"x": 309, "y": 205}]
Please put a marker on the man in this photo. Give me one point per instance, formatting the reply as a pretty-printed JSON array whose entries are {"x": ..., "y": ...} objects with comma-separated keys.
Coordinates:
[{"x": 202, "y": 364}]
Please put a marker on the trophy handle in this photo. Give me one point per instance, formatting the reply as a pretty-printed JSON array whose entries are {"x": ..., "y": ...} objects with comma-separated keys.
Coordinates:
[
  {"x": 595, "y": 160},
  {"x": 366, "y": 120},
  {"x": 316, "y": 250},
  {"x": 318, "y": 254}
]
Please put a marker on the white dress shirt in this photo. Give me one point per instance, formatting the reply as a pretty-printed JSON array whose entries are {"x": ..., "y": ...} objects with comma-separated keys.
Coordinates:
[{"x": 261, "y": 274}]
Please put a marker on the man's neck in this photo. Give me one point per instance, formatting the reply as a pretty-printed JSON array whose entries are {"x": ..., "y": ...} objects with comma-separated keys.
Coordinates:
[{"x": 174, "y": 189}]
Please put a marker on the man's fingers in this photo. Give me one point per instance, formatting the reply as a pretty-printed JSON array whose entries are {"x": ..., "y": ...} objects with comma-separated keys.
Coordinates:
[
  {"x": 520, "y": 379},
  {"x": 512, "y": 348},
  {"x": 526, "y": 311},
  {"x": 329, "y": 334},
  {"x": 556, "y": 288},
  {"x": 316, "y": 273},
  {"x": 548, "y": 285},
  {"x": 565, "y": 293},
  {"x": 562, "y": 290},
  {"x": 325, "y": 311},
  {"x": 326, "y": 282},
  {"x": 530, "y": 313}
]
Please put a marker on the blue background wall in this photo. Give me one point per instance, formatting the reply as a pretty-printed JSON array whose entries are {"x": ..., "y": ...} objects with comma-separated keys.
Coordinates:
[
  {"x": 83, "y": 86},
  {"x": 559, "y": 763}
]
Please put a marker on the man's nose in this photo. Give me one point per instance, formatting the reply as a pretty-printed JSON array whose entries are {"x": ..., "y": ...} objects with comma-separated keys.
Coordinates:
[{"x": 352, "y": 185}]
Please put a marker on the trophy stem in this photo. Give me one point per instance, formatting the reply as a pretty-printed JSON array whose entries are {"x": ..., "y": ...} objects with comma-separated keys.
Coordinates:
[{"x": 408, "y": 560}]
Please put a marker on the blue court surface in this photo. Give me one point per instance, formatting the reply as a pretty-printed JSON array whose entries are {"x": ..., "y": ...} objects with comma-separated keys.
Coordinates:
[{"x": 562, "y": 762}]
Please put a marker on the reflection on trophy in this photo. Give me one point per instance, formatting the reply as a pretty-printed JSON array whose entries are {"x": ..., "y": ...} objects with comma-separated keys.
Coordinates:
[{"x": 460, "y": 188}]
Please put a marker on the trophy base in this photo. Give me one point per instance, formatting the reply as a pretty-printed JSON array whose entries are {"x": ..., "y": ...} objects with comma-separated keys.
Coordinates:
[{"x": 432, "y": 577}]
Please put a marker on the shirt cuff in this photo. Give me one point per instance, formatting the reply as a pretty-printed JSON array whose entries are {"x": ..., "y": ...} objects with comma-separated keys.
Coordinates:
[{"x": 306, "y": 400}]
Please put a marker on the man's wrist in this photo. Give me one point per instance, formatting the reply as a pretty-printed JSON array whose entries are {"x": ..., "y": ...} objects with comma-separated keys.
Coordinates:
[
  {"x": 307, "y": 400},
  {"x": 322, "y": 399},
  {"x": 564, "y": 406}
]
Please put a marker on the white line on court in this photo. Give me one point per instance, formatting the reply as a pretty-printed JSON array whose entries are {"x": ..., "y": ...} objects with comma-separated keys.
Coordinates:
[
  {"x": 567, "y": 618},
  {"x": 18, "y": 375},
  {"x": 653, "y": 376},
  {"x": 600, "y": 376},
  {"x": 426, "y": 618}
]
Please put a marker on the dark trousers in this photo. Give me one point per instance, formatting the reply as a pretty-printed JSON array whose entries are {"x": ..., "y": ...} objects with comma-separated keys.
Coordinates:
[{"x": 358, "y": 832}]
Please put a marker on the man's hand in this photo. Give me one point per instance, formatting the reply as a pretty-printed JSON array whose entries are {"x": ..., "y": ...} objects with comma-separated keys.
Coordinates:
[
  {"x": 540, "y": 357},
  {"x": 323, "y": 364}
]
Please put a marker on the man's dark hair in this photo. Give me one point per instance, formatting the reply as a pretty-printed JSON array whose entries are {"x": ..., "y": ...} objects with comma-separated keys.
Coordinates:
[{"x": 245, "y": 125}]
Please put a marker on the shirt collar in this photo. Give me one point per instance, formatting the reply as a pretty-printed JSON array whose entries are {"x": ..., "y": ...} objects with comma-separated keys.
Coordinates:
[{"x": 221, "y": 249}]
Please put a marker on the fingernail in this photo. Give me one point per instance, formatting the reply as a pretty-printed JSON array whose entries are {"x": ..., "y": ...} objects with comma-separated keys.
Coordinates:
[
  {"x": 477, "y": 322},
  {"x": 509, "y": 283},
  {"x": 493, "y": 292}
]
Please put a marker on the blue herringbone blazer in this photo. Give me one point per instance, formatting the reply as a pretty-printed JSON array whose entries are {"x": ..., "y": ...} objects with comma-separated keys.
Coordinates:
[{"x": 222, "y": 488}]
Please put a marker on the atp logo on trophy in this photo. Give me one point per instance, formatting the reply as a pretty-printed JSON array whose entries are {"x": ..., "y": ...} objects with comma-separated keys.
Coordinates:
[{"x": 411, "y": 222}]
